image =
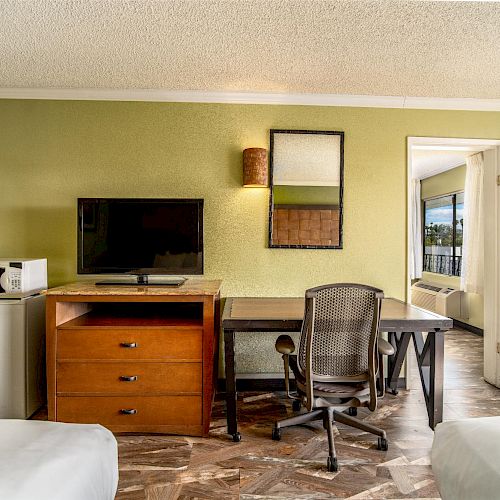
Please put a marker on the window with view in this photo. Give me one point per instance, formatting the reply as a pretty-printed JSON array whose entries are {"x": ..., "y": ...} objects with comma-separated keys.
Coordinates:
[{"x": 443, "y": 230}]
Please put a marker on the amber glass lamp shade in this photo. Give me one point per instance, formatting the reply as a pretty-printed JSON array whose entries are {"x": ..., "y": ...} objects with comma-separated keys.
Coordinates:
[{"x": 255, "y": 173}]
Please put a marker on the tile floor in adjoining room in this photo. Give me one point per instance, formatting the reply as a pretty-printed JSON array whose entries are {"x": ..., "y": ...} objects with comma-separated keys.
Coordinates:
[{"x": 168, "y": 467}]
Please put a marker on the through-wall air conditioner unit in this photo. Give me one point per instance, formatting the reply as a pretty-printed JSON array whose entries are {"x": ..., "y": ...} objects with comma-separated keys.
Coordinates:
[{"x": 442, "y": 300}]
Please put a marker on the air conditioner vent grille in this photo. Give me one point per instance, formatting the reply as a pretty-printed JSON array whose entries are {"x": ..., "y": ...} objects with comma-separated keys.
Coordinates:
[
  {"x": 424, "y": 300},
  {"x": 428, "y": 287}
]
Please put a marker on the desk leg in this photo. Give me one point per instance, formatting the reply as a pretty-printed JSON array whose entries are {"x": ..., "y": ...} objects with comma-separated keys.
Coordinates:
[
  {"x": 400, "y": 343},
  {"x": 430, "y": 361},
  {"x": 231, "y": 396}
]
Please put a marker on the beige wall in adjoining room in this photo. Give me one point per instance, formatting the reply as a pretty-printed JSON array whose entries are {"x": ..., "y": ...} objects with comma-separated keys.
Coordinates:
[{"x": 451, "y": 181}]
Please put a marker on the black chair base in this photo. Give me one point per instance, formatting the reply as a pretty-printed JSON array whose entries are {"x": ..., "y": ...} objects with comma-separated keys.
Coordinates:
[{"x": 329, "y": 416}]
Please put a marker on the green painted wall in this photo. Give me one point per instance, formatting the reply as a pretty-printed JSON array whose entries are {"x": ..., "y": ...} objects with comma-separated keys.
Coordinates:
[
  {"x": 52, "y": 152},
  {"x": 447, "y": 182},
  {"x": 306, "y": 195}
]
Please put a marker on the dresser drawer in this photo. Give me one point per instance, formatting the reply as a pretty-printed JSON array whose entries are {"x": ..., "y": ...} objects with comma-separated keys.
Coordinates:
[
  {"x": 129, "y": 344},
  {"x": 128, "y": 377},
  {"x": 124, "y": 411}
]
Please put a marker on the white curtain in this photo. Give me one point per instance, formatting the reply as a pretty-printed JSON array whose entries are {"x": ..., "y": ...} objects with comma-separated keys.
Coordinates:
[
  {"x": 416, "y": 262},
  {"x": 473, "y": 237}
]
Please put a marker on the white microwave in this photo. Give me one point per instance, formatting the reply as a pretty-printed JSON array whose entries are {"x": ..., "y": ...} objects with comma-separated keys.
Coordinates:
[{"x": 22, "y": 275}]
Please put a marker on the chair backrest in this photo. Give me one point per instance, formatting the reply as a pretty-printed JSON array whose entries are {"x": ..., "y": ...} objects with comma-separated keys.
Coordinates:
[{"x": 339, "y": 333}]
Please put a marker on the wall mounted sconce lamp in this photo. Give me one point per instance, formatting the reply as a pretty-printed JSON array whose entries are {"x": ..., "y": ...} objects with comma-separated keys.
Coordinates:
[{"x": 255, "y": 171}]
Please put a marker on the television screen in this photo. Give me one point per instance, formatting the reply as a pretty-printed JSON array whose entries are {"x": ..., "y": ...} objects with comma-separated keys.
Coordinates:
[{"x": 142, "y": 236}]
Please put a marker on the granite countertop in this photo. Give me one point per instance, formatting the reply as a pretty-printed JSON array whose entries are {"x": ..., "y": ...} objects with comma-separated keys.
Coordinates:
[{"x": 192, "y": 286}]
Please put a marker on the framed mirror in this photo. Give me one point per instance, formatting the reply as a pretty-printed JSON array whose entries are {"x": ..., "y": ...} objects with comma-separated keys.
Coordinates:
[{"x": 306, "y": 180}]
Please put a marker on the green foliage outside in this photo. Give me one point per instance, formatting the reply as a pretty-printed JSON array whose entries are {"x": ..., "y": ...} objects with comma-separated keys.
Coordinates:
[{"x": 442, "y": 235}]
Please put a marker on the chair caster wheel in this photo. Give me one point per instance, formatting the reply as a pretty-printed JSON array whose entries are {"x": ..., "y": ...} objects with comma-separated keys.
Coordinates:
[
  {"x": 352, "y": 411},
  {"x": 382, "y": 444},
  {"x": 236, "y": 437},
  {"x": 276, "y": 435},
  {"x": 394, "y": 392},
  {"x": 332, "y": 465},
  {"x": 296, "y": 404}
]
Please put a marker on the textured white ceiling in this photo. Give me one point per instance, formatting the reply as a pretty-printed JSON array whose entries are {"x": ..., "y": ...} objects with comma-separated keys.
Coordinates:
[
  {"x": 433, "y": 162},
  {"x": 427, "y": 163},
  {"x": 392, "y": 48}
]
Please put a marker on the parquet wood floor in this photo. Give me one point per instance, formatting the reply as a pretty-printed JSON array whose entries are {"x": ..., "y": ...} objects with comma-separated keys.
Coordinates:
[{"x": 156, "y": 467}]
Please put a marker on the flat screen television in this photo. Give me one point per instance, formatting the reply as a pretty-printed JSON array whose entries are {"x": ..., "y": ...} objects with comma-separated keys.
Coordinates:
[{"x": 140, "y": 236}]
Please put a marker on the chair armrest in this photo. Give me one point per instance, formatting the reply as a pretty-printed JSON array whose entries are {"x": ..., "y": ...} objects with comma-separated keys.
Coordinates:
[
  {"x": 284, "y": 344},
  {"x": 384, "y": 347}
]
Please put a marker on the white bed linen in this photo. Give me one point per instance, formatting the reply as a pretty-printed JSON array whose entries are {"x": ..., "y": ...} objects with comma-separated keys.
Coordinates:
[
  {"x": 466, "y": 459},
  {"x": 55, "y": 461}
]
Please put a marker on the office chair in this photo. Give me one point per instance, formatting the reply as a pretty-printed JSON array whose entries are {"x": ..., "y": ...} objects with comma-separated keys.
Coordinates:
[{"x": 338, "y": 360}]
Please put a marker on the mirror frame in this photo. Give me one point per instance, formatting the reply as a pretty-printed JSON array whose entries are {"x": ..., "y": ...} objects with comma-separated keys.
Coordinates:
[{"x": 272, "y": 132}]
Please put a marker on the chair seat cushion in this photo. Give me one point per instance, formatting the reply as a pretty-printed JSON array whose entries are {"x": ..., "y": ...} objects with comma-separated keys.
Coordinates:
[
  {"x": 340, "y": 390},
  {"x": 466, "y": 458}
]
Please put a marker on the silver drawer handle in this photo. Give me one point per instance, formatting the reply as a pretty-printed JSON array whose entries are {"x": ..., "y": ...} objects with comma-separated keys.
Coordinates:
[
  {"x": 131, "y": 411},
  {"x": 131, "y": 378},
  {"x": 129, "y": 345}
]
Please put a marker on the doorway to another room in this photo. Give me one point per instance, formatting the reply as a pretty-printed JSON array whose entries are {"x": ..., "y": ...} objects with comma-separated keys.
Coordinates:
[{"x": 449, "y": 191}]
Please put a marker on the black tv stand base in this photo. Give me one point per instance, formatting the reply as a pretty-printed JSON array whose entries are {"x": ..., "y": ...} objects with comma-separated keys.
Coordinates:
[{"x": 143, "y": 280}]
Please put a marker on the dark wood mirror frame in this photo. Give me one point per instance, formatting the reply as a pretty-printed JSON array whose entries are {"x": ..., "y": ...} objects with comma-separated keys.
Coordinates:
[{"x": 338, "y": 246}]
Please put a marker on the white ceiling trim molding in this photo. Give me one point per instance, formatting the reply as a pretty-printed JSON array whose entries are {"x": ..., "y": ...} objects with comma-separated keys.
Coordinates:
[
  {"x": 463, "y": 149},
  {"x": 252, "y": 98},
  {"x": 451, "y": 142}
]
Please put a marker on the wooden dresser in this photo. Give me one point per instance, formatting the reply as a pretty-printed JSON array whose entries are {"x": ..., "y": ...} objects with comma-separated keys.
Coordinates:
[{"x": 134, "y": 359}]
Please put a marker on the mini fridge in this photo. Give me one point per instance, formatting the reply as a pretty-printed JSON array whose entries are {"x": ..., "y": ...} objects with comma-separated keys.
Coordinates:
[{"x": 22, "y": 354}]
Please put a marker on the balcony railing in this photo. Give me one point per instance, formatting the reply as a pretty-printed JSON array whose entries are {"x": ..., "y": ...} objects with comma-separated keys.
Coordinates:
[{"x": 443, "y": 264}]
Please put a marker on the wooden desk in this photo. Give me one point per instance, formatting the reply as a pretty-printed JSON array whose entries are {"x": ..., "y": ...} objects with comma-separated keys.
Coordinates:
[{"x": 402, "y": 321}]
